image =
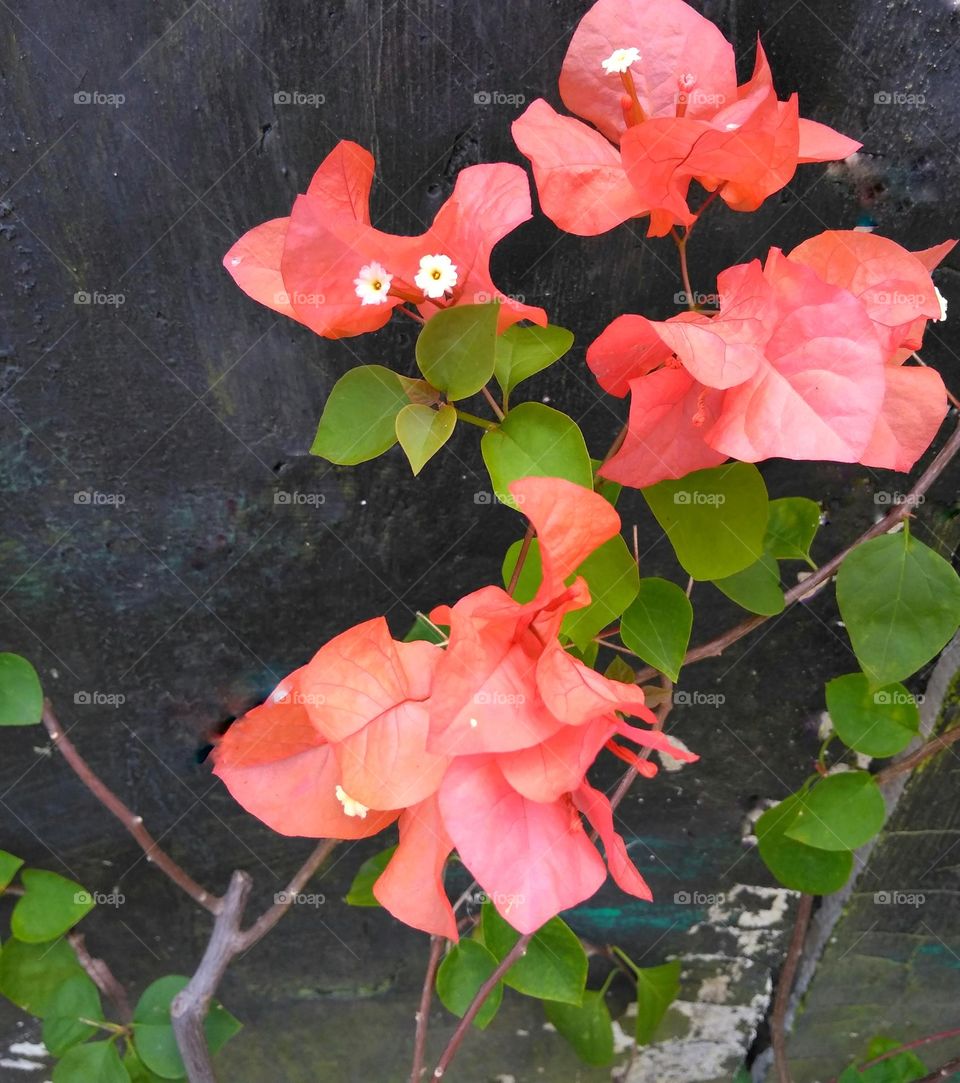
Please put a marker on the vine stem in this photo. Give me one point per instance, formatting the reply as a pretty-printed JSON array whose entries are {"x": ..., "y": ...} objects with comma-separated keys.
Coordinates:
[
  {"x": 476, "y": 1004},
  {"x": 788, "y": 975},
  {"x": 423, "y": 1012},
  {"x": 925, "y": 751},
  {"x": 943, "y": 1036},
  {"x": 943, "y": 1072},
  {"x": 680, "y": 240},
  {"x": 103, "y": 977},
  {"x": 819, "y": 579},
  {"x": 494, "y": 405},
  {"x": 130, "y": 820}
]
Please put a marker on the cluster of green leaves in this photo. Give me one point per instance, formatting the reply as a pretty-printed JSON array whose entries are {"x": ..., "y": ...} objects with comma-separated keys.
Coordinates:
[
  {"x": 41, "y": 974},
  {"x": 900, "y": 603},
  {"x": 902, "y": 1067},
  {"x": 458, "y": 353}
]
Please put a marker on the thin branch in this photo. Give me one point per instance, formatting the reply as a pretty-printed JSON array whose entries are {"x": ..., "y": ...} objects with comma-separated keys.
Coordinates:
[
  {"x": 521, "y": 560},
  {"x": 943, "y": 1036},
  {"x": 476, "y": 1004},
  {"x": 259, "y": 929},
  {"x": 423, "y": 1012},
  {"x": 492, "y": 402},
  {"x": 190, "y": 1005},
  {"x": 924, "y": 752},
  {"x": 103, "y": 977},
  {"x": 781, "y": 1002},
  {"x": 943, "y": 1072},
  {"x": 814, "y": 583},
  {"x": 133, "y": 823}
]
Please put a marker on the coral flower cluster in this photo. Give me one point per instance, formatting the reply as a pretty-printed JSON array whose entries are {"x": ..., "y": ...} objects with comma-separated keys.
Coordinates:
[{"x": 480, "y": 745}]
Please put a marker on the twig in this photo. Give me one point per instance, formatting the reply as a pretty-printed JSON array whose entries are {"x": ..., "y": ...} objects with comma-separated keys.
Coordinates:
[
  {"x": 521, "y": 560},
  {"x": 943, "y": 1072},
  {"x": 476, "y": 1004},
  {"x": 259, "y": 929},
  {"x": 819, "y": 579},
  {"x": 788, "y": 975},
  {"x": 907, "y": 1046},
  {"x": 133, "y": 823},
  {"x": 423, "y": 1012},
  {"x": 494, "y": 405},
  {"x": 190, "y": 1005},
  {"x": 925, "y": 751},
  {"x": 681, "y": 243},
  {"x": 103, "y": 977}
]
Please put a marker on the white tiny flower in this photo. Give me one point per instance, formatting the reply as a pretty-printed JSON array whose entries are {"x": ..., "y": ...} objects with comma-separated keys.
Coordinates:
[
  {"x": 351, "y": 807},
  {"x": 437, "y": 274},
  {"x": 687, "y": 81},
  {"x": 943, "y": 303},
  {"x": 620, "y": 60},
  {"x": 373, "y": 284}
]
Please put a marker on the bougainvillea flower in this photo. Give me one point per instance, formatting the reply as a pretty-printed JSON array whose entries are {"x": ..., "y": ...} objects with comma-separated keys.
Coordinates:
[
  {"x": 895, "y": 287},
  {"x": 366, "y": 693},
  {"x": 506, "y": 683},
  {"x": 790, "y": 366},
  {"x": 665, "y": 111},
  {"x": 280, "y": 768},
  {"x": 329, "y": 268}
]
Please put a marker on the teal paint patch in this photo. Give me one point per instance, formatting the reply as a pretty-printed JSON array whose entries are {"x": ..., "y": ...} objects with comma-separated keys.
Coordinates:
[{"x": 601, "y": 922}]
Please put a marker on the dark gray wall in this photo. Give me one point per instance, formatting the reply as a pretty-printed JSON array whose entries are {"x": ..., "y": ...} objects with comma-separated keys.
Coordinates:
[{"x": 196, "y": 405}]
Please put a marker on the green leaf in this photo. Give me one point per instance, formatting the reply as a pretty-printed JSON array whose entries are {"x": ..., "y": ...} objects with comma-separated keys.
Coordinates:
[
  {"x": 756, "y": 588},
  {"x": 21, "y": 697},
  {"x": 77, "y": 998},
  {"x": 8, "y": 867},
  {"x": 422, "y": 629},
  {"x": 463, "y": 971},
  {"x": 900, "y": 602},
  {"x": 361, "y": 890},
  {"x": 612, "y": 576},
  {"x": 137, "y": 1070},
  {"x": 457, "y": 347},
  {"x": 715, "y": 519},
  {"x": 31, "y": 973},
  {"x": 535, "y": 441},
  {"x": 524, "y": 351},
  {"x": 422, "y": 431},
  {"x": 554, "y": 966},
  {"x": 153, "y": 1035},
  {"x": 791, "y": 528},
  {"x": 840, "y": 812},
  {"x": 657, "y": 988},
  {"x": 50, "y": 905},
  {"x": 620, "y": 670},
  {"x": 795, "y": 865},
  {"x": 359, "y": 419},
  {"x": 902, "y": 1068},
  {"x": 656, "y": 627},
  {"x": 586, "y": 1026},
  {"x": 880, "y": 723},
  {"x": 98, "y": 1061}
]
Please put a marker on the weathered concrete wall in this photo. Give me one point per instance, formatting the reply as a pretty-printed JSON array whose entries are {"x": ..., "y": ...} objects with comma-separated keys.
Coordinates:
[{"x": 196, "y": 405}]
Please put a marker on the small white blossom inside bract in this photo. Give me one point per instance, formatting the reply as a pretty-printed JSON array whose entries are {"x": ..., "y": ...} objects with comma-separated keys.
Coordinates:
[
  {"x": 437, "y": 274},
  {"x": 943, "y": 303},
  {"x": 351, "y": 807},
  {"x": 620, "y": 61},
  {"x": 373, "y": 284}
]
